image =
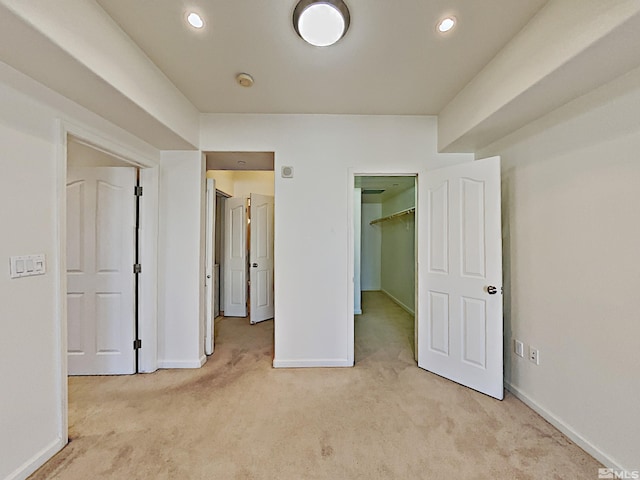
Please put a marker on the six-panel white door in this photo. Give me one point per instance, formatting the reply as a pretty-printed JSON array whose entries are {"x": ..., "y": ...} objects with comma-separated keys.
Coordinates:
[
  {"x": 261, "y": 258},
  {"x": 460, "y": 325},
  {"x": 100, "y": 278},
  {"x": 235, "y": 256}
]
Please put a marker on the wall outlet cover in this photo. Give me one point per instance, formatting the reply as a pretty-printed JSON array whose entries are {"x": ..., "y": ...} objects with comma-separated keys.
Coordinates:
[{"x": 534, "y": 355}]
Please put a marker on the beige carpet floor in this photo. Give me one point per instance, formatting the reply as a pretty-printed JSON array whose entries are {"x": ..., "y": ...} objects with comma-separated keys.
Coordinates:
[{"x": 238, "y": 418}]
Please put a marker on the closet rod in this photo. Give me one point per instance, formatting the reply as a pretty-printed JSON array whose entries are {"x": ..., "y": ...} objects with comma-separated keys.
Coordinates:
[{"x": 393, "y": 215}]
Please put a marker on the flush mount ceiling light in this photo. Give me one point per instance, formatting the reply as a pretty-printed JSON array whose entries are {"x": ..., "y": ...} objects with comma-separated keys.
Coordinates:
[
  {"x": 321, "y": 22},
  {"x": 195, "y": 20},
  {"x": 446, "y": 24}
]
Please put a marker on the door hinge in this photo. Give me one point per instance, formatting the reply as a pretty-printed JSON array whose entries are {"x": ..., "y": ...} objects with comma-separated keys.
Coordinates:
[
  {"x": 137, "y": 191},
  {"x": 137, "y": 268},
  {"x": 137, "y": 344}
]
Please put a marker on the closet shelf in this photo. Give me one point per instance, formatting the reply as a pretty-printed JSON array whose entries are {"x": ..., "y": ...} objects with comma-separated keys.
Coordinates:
[{"x": 393, "y": 215}]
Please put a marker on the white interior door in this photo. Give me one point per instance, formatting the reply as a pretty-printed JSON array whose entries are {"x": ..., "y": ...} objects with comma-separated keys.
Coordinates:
[
  {"x": 357, "y": 243},
  {"x": 235, "y": 255},
  {"x": 261, "y": 253},
  {"x": 460, "y": 317},
  {"x": 100, "y": 279},
  {"x": 209, "y": 281}
]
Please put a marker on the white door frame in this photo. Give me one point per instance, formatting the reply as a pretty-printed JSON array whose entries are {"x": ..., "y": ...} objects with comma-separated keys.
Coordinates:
[
  {"x": 209, "y": 256},
  {"x": 148, "y": 281},
  {"x": 352, "y": 174}
]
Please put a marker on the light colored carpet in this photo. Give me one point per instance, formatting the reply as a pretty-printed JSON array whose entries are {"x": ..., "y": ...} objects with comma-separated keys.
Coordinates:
[{"x": 238, "y": 418}]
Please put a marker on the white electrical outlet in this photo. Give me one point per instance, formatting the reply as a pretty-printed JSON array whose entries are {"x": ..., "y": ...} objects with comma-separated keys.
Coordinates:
[
  {"x": 534, "y": 355},
  {"x": 518, "y": 348}
]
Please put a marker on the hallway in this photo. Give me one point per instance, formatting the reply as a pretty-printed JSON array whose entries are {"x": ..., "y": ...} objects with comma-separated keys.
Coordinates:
[{"x": 238, "y": 418}]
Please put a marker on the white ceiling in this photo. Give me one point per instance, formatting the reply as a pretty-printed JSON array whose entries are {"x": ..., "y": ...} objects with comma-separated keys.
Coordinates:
[
  {"x": 391, "y": 187},
  {"x": 391, "y": 60},
  {"x": 240, "y": 160}
]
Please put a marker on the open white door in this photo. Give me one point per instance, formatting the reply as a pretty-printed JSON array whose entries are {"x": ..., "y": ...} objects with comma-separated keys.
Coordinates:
[
  {"x": 209, "y": 263},
  {"x": 357, "y": 253},
  {"x": 100, "y": 278},
  {"x": 261, "y": 253},
  {"x": 235, "y": 256},
  {"x": 460, "y": 317}
]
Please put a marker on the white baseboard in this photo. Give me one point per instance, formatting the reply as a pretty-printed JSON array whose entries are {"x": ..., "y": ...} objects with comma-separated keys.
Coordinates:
[
  {"x": 411, "y": 311},
  {"x": 312, "y": 363},
  {"x": 35, "y": 462},
  {"x": 357, "y": 311},
  {"x": 574, "y": 436},
  {"x": 182, "y": 363}
]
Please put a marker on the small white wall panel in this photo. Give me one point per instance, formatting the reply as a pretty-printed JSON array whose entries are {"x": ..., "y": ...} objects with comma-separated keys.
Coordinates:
[
  {"x": 263, "y": 288},
  {"x": 75, "y": 327},
  {"x": 439, "y": 322},
  {"x": 474, "y": 332},
  {"x": 237, "y": 232},
  {"x": 261, "y": 215},
  {"x": 237, "y": 281},
  {"x": 473, "y": 235},
  {"x": 109, "y": 227},
  {"x": 75, "y": 216},
  {"x": 438, "y": 254},
  {"x": 109, "y": 316}
]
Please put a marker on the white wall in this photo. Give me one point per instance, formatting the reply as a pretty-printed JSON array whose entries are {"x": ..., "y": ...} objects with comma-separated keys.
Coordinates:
[
  {"x": 33, "y": 387},
  {"x": 180, "y": 251},
  {"x": 563, "y": 52},
  {"x": 371, "y": 247},
  {"x": 29, "y": 411},
  {"x": 249, "y": 182},
  {"x": 224, "y": 180},
  {"x": 313, "y": 284},
  {"x": 84, "y": 43},
  {"x": 398, "y": 259},
  {"x": 80, "y": 155},
  {"x": 239, "y": 183},
  {"x": 571, "y": 197}
]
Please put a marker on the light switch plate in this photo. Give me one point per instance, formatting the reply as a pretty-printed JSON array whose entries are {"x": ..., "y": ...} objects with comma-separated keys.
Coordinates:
[{"x": 27, "y": 265}]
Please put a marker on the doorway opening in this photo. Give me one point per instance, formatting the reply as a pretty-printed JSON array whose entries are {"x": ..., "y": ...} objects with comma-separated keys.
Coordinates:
[
  {"x": 79, "y": 148},
  {"x": 385, "y": 257},
  {"x": 240, "y": 240},
  {"x": 103, "y": 264}
]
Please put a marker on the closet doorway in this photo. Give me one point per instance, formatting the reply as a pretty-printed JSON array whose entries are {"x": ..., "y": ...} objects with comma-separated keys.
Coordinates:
[
  {"x": 385, "y": 255},
  {"x": 241, "y": 259}
]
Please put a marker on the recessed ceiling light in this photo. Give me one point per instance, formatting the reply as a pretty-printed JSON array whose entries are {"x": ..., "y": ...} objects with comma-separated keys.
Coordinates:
[
  {"x": 446, "y": 24},
  {"x": 321, "y": 22},
  {"x": 195, "y": 20}
]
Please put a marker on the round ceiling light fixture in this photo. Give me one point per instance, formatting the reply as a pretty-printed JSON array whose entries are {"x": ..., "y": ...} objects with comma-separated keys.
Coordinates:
[
  {"x": 321, "y": 22},
  {"x": 195, "y": 20},
  {"x": 446, "y": 24}
]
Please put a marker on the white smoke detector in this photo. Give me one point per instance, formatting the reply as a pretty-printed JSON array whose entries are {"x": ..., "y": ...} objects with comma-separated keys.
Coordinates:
[{"x": 244, "y": 80}]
